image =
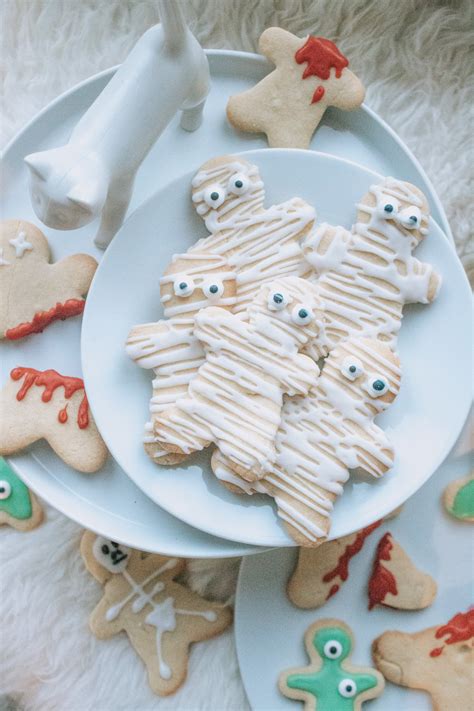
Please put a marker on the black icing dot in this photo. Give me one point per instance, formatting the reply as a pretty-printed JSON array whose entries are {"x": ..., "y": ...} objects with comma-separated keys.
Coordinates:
[
  {"x": 302, "y": 313},
  {"x": 333, "y": 650},
  {"x": 183, "y": 285},
  {"x": 215, "y": 195},
  {"x": 238, "y": 184},
  {"x": 378, "y": 385},
  {"x": 413, "y": 218},
  {"x": 105, "y": 549},
  {"x": 349, "y": 687},
  {"x": 278, "y": 298},
  {"x": 213, "y": 289},
  {"x": 352, "y": 369},
  {"x": 2, "y": 490},
  {"x": 388, "y": 208}
]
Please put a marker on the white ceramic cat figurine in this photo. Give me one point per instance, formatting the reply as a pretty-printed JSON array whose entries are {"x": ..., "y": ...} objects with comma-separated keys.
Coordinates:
[{"x": 93, "y": 174}]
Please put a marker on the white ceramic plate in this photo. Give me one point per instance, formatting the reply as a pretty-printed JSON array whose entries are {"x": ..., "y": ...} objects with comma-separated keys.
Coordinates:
[
  {"x": 269, "y": 629},
  {"x": 126, "y": 292},
  {"x": 109, "y": 502}
]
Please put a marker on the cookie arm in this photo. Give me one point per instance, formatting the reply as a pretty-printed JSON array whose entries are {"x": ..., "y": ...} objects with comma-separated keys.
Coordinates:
[
  {"x": 77, "y": 272},
  {"x": 326, "y": 248},
  {"x": 148, "y": 343},
  {"x": 375, "y": 456},
  {"x": 278, "y": 45},
  {"x": 422, "y": 284},
  {"x": 299, "y": 375}
]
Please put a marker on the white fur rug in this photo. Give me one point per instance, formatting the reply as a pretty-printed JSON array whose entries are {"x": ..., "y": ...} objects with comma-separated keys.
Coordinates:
[{"x": 416, "y": 58}]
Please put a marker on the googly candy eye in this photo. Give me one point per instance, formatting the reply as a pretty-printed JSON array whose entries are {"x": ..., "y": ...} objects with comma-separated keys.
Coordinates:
[
  {"x": 239, "y": 184},
  {"x": 5, "y": 489},
  {"x": 347, "y": 688},
  {"x": 410, "y": 217},
  {"x": 377, "y": 385},
  {"x": 213, "y": 290},
  {"x": 351, "y": 368},
  {"x": 214, "y": 196},
  {"x": 277, "y": 300},
  {"x": 301, "y": 315},
  {"x": 332, "y": 649},
  {"x": 183, "y": 286},
  {"x": 390, "y": 208}
]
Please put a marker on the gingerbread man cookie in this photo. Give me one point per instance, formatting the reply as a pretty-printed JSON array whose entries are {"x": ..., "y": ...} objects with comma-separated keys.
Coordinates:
[
  {"x": 260, "y": 244},
  {"x": 161, "y": 617},
  {"x": 331, "y": 682},
  {"x": 458, "y": 498},
  {"x": 287, "y": 105},
  {"x": 19, "y": 507},
  {"x": 235, "y": 399},
  {"x": 396, "y": 581},
  {"x": 38, "y": 405},
  {"x": 169, "y": 347},
  {"x": 326, "y": 433},
  {"x": 366, "y": 276},
  {"x": 33, "y": 292},
  {"x": 438, "y": 660}
]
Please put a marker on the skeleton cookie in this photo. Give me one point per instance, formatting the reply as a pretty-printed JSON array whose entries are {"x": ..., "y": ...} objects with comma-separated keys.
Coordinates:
[
  {"x": 169, "y": 347},
  {"x": 366, "y": 276},
  {"x": 33, "y": 292},
  {"x": 161, "y": 617},
  {"x": 43, "y": 404},
  {"x": 260, "y": 244},
  {"x": 288, "y": 104},
  {"x": 326, "y": 433},
  {"x": 236, "y": 397}
]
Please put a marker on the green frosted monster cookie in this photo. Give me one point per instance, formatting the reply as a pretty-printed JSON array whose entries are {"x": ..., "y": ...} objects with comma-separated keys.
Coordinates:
[
  {"x": 18, "y": 505},
  {"x": 458, "y": 498}
]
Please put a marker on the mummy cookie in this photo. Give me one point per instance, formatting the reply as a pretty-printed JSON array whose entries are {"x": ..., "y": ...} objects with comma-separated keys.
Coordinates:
[
  {"x": 235, "y": 399},
  {"x": 43, "y": 404},
  {"x": 438, "y": 660},
  {"x": 33, "y": 292},
  {"x": 458, "y": 498},
  {"x": 260, "y": 244},
  {"x": 321, "y": 572},
  {"x": 169, "y": 347},
  {"x": 324, "y": 435},
  {"x": 19, "y": 507},
  {"x": 161, "y": 617},
  {"x": 396, "y": 581},
  {"x": 366, "y": 276},
  {"x": 287, "y": 105},
  {"x": 331, "y": 682}
]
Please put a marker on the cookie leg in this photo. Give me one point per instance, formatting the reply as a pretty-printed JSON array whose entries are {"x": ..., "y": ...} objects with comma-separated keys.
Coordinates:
[{"x": 179, "y": 432}]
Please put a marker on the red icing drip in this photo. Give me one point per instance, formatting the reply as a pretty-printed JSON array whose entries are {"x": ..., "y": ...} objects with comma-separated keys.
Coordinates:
[
  {"x": 62, "y": 414},
  {"x": 50, "y": 380},
  {"x": 322, "y": 55},
  {"x": 318, "y": 95},
  {"x": 342, "y": 568},
  {"x": 71, "y": 307},
  {"x": 460, "y": 628},
  {"x": 382, "y": 580}
]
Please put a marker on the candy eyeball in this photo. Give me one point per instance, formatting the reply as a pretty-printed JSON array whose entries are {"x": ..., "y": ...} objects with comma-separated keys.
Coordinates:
[
  {"x": 390, "y": 207},
  {"x": 214, "y": 196},
  {"x": 332, "y": 649},
  {"x": 277, "y": 301},
  {"x": 5, "y": 489},
  {"x": 410, "y": 217},
  {"x": 301, "y": 315},
  {"x": 377, "y": 385},
  {"x": 213, "y": 289},
  {"x": 347, "y": 688},
  {"x": 183, "y": 286},
  {"x": 351, "y": 368},
  {"x": 239, "y": 184}
]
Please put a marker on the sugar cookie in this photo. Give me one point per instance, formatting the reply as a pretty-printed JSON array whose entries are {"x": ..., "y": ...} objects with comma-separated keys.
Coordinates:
[
  {"x": 331, "y": 682},
  {"x": 33, "y": 292},
  {"x": 458, "y": 498},
  {"x": 161, "y": 617},
  {"x": 19, "y": 507},
  {"x": 288, "y": 104},
  {"x": 46, "y": 405}
]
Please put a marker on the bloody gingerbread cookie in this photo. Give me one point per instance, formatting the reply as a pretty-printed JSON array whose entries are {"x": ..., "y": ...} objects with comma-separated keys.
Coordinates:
[
  {"x": 438, "y": 660},
  {"x": 161, "y": 617},
  {"x": 46, "y": 405},
  {"x": 331, "y": 682},
  {"x": 396, "y": 581},
  {"x": 458, "y": 498},
  {"x": 34, "y": 292},
  {"x": 19, "y": 507},
  {"x": 287, "y": 105}
]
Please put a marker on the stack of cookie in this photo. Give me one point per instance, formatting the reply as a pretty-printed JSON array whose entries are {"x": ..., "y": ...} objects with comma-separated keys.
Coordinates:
[{"x": 251, "y": 312}]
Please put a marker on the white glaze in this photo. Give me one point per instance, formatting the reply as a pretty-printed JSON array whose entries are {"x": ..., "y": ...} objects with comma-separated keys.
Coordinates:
[{"x": 20, "y": 244}]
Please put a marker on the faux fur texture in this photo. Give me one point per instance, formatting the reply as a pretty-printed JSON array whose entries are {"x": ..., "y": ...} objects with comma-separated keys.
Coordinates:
[{"x": 415, "y": 57}]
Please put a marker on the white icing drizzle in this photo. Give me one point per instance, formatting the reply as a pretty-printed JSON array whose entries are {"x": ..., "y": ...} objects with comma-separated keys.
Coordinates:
[
  {"x": 323, "y": 435},
  {"x": 235, "y": 399},
  {"x": 260, "y": 244},
  {"x": 366, "y": 276},
  {"x": 20, "y": 244},
  {"x": 3, "y": 262},
  {"x": 163, "y": 613}
]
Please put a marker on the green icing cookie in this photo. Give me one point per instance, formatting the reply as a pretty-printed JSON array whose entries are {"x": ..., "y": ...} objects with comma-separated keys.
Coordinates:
[
  {"x": 335, "y": 684},
  {"x": 14, "y": 495},
  {"x": 463, "y": 504}
]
